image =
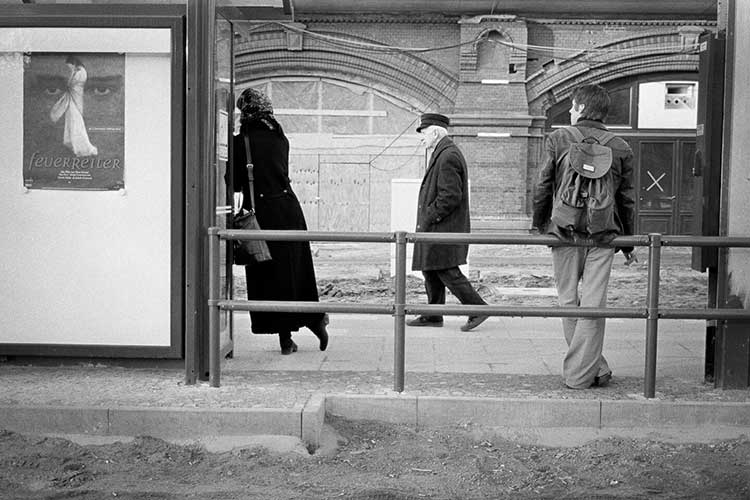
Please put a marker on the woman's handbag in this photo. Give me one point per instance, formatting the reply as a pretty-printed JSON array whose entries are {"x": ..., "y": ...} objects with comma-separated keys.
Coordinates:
[{"x": 249, "y": 252}]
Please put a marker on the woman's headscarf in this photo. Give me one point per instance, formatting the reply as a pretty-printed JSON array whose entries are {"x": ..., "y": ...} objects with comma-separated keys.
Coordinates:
[{"x": 253, "y": 104}]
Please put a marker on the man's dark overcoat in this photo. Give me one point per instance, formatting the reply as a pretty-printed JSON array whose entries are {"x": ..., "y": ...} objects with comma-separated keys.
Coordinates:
[
  {"x": 290, "y": 274},
  {"x": 443, "y": 207}
]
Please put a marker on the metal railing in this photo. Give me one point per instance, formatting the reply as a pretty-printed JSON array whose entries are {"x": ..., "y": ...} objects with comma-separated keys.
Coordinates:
[{"x": 652, "y": 313}]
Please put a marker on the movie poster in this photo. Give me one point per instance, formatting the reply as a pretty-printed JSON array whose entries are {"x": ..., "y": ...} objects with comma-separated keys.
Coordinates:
[{"x": 73, "y": 121}]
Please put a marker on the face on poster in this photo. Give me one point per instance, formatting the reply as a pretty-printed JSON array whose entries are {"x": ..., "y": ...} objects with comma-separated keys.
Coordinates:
[{"x": 73, "y": 121}]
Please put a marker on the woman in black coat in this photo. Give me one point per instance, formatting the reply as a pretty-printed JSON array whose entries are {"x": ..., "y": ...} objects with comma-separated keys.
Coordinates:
[{"x": 289, "y": 275}]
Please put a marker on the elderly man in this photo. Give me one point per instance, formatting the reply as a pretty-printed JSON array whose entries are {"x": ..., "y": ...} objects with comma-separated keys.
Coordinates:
[{"x": 443, "y": 207}]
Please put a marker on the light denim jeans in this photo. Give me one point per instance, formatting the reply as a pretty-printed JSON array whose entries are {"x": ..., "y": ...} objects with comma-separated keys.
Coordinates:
[{"x": 591, "y": 267}]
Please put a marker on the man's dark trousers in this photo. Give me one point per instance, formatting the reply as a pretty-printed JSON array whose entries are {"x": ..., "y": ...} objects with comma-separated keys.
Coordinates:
[{"x": 437, "y": 280}]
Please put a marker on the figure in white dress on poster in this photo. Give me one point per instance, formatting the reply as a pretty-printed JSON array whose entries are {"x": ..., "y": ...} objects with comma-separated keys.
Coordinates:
[{"x": 70, "y": 104}]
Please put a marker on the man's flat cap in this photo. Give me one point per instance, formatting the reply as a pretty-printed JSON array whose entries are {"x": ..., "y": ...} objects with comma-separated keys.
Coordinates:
[{"x": 428, "y": 119}]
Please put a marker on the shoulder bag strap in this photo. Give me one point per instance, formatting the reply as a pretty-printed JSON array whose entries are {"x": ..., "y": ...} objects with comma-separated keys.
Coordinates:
[{"x": 250, "y": 177}]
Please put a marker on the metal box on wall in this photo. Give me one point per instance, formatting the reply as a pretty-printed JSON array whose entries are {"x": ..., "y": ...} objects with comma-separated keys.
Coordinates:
[{"x": 679, "y": 96}]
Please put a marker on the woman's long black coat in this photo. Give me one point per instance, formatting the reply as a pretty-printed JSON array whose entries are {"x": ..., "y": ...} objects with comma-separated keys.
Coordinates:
[
  {"x": 290, "y": 274},
  {"x": 443, "y": 207}
]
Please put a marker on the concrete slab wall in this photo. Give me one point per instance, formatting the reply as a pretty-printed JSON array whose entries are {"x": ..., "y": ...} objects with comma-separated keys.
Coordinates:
[{"x": 738, "y": 167}]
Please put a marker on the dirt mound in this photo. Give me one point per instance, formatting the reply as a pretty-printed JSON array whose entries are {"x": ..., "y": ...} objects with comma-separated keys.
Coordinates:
[{"x": 376, "y": 461}]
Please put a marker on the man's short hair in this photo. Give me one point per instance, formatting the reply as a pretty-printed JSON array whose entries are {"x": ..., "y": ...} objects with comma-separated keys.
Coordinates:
[{"x": 596, "y": 101}]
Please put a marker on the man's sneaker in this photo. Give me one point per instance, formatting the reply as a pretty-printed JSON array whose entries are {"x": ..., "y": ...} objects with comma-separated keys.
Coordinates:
[
  {"x": 473, "y": 322},
  {"x": 425, "y": 321}
]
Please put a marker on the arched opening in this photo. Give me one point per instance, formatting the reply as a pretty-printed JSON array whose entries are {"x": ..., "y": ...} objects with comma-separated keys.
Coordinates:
[
  {"x": 493, "y": 58},
  {"x": 348, "y": 141}
]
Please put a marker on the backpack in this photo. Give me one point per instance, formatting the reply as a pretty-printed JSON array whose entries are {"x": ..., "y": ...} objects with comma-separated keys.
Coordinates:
[{"x": 585, "y": 199}]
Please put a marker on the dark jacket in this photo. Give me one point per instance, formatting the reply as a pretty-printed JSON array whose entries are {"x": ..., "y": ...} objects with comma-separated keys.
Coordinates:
[
  {"x": 290, "y": 274},
  {"x": 550, "y": 177},
  {"x": 443, "y": 206}
]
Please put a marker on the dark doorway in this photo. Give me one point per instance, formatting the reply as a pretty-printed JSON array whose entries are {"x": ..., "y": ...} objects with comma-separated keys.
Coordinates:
[{"x": 664, "y": 183}]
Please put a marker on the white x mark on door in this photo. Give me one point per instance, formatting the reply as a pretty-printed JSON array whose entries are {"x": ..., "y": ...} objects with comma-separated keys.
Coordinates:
[{"x": 656, "y": 181}]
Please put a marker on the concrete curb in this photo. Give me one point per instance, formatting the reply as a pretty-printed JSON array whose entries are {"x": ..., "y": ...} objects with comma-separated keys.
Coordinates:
[
  {"x": 41, "y": 419},
  {"x": 168, "y": 423},
  {"x": 313, "y": 417},
  {"x": 432, "y": 411},
  {"x": 553, "y": 422},
  {"x": 538, "y": 421}
]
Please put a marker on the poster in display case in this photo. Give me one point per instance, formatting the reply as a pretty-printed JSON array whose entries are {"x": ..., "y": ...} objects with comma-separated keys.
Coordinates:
[
  {"x": 73, "y": 120},
  {"x": 94, "y": 161}
]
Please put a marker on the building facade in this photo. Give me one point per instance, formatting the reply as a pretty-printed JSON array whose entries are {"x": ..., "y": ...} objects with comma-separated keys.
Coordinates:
[{"x": 349, "y": 88}]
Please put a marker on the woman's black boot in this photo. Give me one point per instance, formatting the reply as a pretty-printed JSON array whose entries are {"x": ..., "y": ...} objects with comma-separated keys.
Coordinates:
[{"x": 319, "y": 329}]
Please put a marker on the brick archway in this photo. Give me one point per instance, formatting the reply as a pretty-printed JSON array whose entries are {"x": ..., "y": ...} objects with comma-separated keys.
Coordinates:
[
  {"x": 272, "y": 53},
  {"x": 663, "y": 51}
]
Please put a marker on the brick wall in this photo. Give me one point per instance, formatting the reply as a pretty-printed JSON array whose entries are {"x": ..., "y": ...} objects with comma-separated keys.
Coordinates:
[{"x": 448, "y": 80}]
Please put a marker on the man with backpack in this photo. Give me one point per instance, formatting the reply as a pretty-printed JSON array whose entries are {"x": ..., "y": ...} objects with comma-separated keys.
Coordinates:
[{"x": 585, "y": 194}]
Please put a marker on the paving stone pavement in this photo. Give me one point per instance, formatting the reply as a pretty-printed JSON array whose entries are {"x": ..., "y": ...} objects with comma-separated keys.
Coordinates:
[
  {"x": 504, "y": 376},
  {"x": 504, "y": 357}
]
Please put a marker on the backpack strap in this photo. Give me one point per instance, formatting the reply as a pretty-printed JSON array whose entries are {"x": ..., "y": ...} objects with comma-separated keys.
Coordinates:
[
  {"x": 606, "y": 137},
  {"x": 577, "y": 134},
  {"x": 603, "y": 137},
  {"x": 577, "y": 137}
]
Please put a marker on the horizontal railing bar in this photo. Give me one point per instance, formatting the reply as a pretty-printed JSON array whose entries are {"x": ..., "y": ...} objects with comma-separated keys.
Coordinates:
[
  {"x": 517, "y": 239},
  {"x": 305, "y": 307},
  {"x": 557, "y": 312},
  {"x": 488, "y": 238},
  {"x": 465, "y": 309},
  {"x": 706, "y": 241},
  {"x": 289, "y": 235},
  {"x": 704, "y": 313},
  {"x": 476, "y": 238}
]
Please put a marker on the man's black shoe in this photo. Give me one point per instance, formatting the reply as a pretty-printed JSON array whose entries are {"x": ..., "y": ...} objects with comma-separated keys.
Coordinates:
[
  {"x": 424, "y": 321},
  {"x": 473, "y": 322},
  {"x": 602, "y": 380}
]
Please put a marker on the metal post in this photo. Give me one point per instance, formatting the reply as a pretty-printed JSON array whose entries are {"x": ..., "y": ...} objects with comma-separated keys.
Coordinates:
[
  {"x": 214, "y": 344},
  {"x": 399, "y": 314},
  {"x": 652, "y": 310},
  {"x": 199, "y": 157}
]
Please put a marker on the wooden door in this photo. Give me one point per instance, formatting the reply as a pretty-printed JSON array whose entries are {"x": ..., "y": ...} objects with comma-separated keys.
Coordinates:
[{"x": 664, "y": 184}]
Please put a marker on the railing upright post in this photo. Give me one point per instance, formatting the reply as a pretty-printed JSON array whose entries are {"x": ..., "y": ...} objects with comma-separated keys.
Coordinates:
[
  {"x": 214, "y": 361},
  {"x": 652, "y": 310},
  {"x": 399, "y": 314}
]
